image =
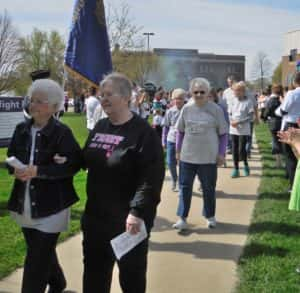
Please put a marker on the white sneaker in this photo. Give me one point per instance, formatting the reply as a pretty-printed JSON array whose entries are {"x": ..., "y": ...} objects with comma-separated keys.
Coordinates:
[
  {"x": 180, "y": 225},
  {"x": 211, "y": 223},
  {"x": 174, "y": 187}
]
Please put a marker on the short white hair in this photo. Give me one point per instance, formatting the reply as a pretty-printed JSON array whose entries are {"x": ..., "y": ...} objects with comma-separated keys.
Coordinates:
[
  {"x": 52, "y": 90},
  {"x": 203, "y": 82},
  {"x": 178, "y": 93}
]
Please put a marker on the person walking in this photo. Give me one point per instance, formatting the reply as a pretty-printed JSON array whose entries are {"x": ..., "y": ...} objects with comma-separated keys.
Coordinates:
[
  {"x": 169, "y": 133},
  {"x": 43, "y": 191},
  {"x": 200, "y": 147},
  {"x": 125, "y": 163},
  {"x": 241, "y": 112}
]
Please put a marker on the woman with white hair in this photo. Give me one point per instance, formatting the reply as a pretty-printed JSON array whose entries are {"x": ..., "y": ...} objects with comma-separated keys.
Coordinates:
[
  {"x": 125, "y": 164},
  {"x": 200, "y": 146},
  {"x": 169, "y": 133},
  {"x": 241, "y": 112},
  {"x": 43, "y": 190}
]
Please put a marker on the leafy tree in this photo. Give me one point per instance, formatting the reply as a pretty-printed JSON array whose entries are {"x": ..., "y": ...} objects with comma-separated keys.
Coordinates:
[{"x": 40, "y": 50}]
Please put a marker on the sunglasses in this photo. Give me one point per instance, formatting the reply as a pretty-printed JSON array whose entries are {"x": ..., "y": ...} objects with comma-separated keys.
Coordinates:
[{"x": 199, "y": 92}]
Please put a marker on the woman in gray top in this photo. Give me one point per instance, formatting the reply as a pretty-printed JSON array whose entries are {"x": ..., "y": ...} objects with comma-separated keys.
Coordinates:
[{"x": 200, "y": 146}]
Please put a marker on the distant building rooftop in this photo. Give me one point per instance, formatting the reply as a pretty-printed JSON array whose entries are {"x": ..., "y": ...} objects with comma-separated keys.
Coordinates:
[{"x": 195, "y": 53}]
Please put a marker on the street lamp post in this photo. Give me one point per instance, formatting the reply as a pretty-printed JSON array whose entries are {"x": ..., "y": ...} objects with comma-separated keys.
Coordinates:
[{"x": 148, "y": 39}]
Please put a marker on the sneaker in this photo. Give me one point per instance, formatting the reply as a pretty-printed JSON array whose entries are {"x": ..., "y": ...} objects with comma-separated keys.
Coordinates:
[
  {"x": 246, "y": 171},
  {"x": 211, "y": 223},
  {"x": 298, "y": 270},
  {"x": 174, "y": 187},
  {"x": 235, "y": 173},
  {"x": 180, "y": 225}
]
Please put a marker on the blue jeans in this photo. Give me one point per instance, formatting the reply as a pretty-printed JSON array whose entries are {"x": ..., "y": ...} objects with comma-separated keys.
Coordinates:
[
  {"x": 207, "y": 174},
  {"x": 171, "y": 160}
]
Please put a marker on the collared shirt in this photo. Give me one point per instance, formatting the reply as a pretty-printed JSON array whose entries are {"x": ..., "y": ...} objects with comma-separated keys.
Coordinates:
[{"x": 291, "y": 106}]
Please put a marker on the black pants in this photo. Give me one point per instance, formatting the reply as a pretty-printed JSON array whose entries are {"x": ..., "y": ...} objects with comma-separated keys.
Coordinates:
[
  {"x": 99, "y": 260},
  {"x": 290, "y": 159},
  {"x": 239, "y": 152},
  {"x": 41, "y": 264}
]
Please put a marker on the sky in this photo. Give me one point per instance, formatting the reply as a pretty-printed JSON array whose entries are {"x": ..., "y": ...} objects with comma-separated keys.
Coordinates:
[{"x": 210, "y": 26}]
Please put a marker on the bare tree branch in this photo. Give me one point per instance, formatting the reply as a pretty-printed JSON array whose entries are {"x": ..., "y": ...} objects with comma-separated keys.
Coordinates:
[
  {"x": 9, "y": 54},
  {"x": 121, "y": 29},
  {"x": 261, "y": 68}
]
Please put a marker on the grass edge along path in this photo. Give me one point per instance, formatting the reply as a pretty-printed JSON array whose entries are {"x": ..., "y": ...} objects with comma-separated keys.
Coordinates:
[
  {"x": 12, "y": 245},
  {"x": 272, "y": 250}
]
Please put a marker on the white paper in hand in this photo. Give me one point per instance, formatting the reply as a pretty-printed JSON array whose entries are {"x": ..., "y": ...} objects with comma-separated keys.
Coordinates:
[
  {"x": 15, "y": 163},
  {"x": 125, "y": 242}
]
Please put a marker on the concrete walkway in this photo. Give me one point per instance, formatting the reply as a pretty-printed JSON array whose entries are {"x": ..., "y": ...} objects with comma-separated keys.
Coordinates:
[{"x": 200, "y": 260}]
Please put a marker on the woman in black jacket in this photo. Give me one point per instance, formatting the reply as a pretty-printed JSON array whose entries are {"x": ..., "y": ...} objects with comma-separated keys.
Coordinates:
[
  {"x": 274, "y": 121},
  {"x": 43, "y": 190}
]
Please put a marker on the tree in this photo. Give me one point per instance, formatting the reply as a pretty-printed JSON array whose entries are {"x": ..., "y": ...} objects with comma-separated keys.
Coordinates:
[
  {"x": 9, "y": 56},
  {"x": 137, "y": 65},
  {"x": 121, "y": 29},
  {"x": 261, "y": 68},
  {"x": 40, "y": 50},
  {"x": 277, "y": 74}
]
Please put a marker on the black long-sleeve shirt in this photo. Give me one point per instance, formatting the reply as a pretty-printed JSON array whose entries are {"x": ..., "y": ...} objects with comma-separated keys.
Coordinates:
[{"x": 125, "y": 171}]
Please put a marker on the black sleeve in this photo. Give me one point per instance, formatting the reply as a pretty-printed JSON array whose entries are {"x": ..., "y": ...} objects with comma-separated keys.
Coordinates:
[
  {"x": 69, "y": 148},
  {"x": 151, "y": 172},
  {"x": 267, "y": 111}
]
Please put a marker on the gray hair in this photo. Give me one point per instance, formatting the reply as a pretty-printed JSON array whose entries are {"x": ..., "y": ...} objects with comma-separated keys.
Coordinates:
[
  {"x": 120, "y": 83},
  {"x": 52, "y": 90},
  {"x": 178, "y": 93},
  {"x": 203, "y": 82}
]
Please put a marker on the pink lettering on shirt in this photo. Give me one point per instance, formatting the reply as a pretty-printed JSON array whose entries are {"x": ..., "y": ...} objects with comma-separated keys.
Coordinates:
[{"x": 107, "y": 142}]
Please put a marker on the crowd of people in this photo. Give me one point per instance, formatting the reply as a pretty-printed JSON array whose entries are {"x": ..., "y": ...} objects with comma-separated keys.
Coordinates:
[{"x": 124, "y": 158}]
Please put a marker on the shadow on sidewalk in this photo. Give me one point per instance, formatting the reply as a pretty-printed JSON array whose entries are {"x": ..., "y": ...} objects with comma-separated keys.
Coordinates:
[
  {"x": 162, "y": 224},
  {"x": 212, "y": 250}
]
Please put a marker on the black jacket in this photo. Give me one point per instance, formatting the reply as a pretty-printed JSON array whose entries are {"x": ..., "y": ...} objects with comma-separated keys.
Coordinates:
[
  {"x": 272, "y": 119},
  {"x": 52, "y": 190}
]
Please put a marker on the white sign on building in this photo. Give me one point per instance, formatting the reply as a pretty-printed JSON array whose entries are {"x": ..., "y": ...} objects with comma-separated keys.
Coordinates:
[{"x": 11, "y": 113}]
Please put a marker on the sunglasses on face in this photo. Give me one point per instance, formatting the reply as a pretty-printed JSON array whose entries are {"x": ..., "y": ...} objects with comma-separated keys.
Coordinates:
[{"x": 199, "y": 92}]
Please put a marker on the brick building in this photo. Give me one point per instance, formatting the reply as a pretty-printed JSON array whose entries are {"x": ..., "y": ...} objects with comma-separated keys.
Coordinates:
[
  {"x": 181, "y": 65},
  {"x": 290, "y": 56}
]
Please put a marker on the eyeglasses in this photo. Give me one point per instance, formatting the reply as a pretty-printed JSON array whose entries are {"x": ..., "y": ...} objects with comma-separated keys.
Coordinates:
[
  {"x": 38, "y": 102},
  {"x": 199, "y": 92}
]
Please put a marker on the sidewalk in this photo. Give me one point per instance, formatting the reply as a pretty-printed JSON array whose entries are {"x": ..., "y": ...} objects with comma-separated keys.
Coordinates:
[{"x": 199, "y": 260}]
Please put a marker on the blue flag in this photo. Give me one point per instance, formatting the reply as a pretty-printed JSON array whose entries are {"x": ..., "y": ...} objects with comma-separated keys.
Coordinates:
[{"x": 88, "y": 51}]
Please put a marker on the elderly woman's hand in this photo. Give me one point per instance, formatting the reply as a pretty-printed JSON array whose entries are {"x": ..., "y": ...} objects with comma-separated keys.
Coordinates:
[
  {"x": 20, "y": 174},
  {"x": 133, "y": 224},
  {"x": 26, "y": 174},
  {"x": 234, "y": 124},
  {"x": 220, "y": 160}
]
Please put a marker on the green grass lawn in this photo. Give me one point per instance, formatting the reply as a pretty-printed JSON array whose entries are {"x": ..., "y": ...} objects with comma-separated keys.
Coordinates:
[
  {"x": 12, "y": 246},
  {"x": 273, "y": 247}
]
